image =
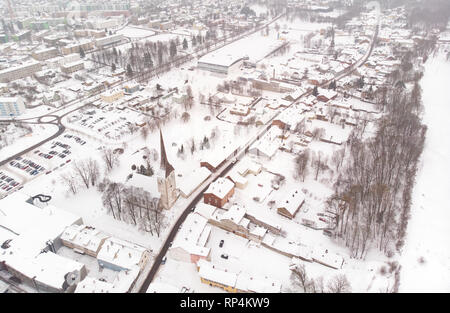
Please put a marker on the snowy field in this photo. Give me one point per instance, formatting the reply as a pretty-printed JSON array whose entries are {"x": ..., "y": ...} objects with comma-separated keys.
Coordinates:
[
  {"x": 426, "y": 254},
  {"x": 135, "y": 32}
]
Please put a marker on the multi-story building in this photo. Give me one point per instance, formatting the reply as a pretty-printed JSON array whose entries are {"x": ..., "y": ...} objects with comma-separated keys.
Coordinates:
[
  {"x": 90, "y": 32},
  {"x": 21, "y": 71},
  {"x": 73, "y": 67},
  {"x": 219, "y": 192},
  {"x": 11, "y": 106},
  {"x": 44, "y": 54},
  {"x": 112, "y": 95},
  {"x": 86, "y": 45},
  {"x": 108, "y": 40}
]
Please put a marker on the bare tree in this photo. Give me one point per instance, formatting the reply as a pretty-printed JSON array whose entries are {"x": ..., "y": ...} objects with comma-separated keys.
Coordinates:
[
  {"x": 111, "y": 159},
  {"x": 301, "y": 164},
  {"x": 82, "y": 171},
  {"x": 70, "y": 180},
  {"x": 185, "y": 117},
  {"x": 93, "y": 170},
  {"x": 299, "y": 277},
  {"x": 339, "y": 284}
]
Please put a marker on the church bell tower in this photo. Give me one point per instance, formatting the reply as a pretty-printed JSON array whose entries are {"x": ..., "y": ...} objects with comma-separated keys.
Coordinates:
[{"x": 166, "y": 180}]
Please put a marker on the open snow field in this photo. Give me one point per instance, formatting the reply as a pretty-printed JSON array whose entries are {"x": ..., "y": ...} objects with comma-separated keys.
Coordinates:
[
  {"x": 135, "y": 32},
  {"x": 428, "y": 234}
]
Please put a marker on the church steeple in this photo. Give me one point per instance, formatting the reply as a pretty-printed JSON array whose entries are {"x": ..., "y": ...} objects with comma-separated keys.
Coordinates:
[{"x": 164, "y": 162}]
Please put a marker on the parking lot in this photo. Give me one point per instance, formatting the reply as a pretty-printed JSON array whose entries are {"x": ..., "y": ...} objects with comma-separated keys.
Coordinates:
[
  {"x": 8, "y": 183},
  {"x": 112, "y": 123},
  {"x": 48, "y": 158}
]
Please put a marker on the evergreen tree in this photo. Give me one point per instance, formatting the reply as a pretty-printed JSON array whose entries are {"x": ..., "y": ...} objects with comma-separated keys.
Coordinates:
[
  {"x": 185, "y": 44},
  {"x": 148, "y": 60},
  {"x": 149, "y": 171},
  {"x": 173, "y": 49},
  {"x": 361, "y": 82},
  {"x": 315, "y": 91},
  {"x": 113, "y": 67},
  {"x": 129, "y": 70},
  {"x": 82, "y": 54}
]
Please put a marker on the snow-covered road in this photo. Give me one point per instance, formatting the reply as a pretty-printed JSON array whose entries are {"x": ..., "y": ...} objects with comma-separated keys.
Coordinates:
[{"x": 428, "y": 234}]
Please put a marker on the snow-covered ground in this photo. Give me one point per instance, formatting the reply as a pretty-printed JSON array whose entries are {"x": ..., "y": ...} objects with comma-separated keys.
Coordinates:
[
  {"x": 135, "y": 32},
  {"x": 426, "y": 256},
  {"x": 40, "y": 132}
]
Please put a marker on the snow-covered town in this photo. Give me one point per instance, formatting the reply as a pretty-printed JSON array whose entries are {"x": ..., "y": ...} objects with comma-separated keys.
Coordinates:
[{"x": 232, "y": 146}]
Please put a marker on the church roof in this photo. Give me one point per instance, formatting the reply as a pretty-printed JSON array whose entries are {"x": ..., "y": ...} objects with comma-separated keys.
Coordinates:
[{"x": 164, "y": 162}]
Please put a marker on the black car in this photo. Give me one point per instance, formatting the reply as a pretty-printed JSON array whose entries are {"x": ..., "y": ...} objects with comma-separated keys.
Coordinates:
[
  {"x": 221, "y": 243},
  {"x": 224, "y": 256}
]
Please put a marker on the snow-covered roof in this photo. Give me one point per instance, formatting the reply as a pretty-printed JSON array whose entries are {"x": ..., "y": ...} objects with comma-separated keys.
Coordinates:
[
  {"x": 47, "y": 268},
  {"x": 72, "y": 64},
  {"x": 327, "y": 93},
  {"x": 210, "y": 272},
  {"x": 93, "y": 285},
  {"x": 18, "y": 67},
  {"x": 159, "y": 287},
  {"x": 327, "y": 257},
  {"x": 191, "y": 180},
  {"x": 121, "y": 284},
  {"x": 205, "y": 210},
  {"x": 269, "y": 144},
  {"x": 148, "y": 183},
  {"x": 35, "y": 226},
  {"x": 246, "y": 165},
  {"x": 252, "y": 283},
  {"x": 193, "y": 235},
  {"x": 235, "y": 214},
  {"x": 85, "y": 236},
  {"x": 219, "y": 155},
  {"x": 258, "y": 231},
  {"x": 291, "y": 116},
  {"x": 121, "y": 253},
  {"x": 292, "y": 201},
  {"x": 221, "y": 59},
  {"x": 237, "y": 178},
  {"x": 220, "y": 188}
]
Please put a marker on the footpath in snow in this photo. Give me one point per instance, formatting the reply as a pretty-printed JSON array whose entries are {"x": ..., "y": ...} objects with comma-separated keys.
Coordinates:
[{"x": 428, "y": 234}]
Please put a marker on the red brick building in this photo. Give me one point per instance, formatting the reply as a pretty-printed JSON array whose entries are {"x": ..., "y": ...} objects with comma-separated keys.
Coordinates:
[{"x": 219, "y": 192}]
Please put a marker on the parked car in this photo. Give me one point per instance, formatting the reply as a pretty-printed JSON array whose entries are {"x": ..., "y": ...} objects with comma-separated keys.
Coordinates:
[
  {"x": 224, "y": 256},
  {"x": 221, "y": 243}
]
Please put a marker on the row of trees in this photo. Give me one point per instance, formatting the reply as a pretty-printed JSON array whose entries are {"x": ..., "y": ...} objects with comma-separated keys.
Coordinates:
[
  {"x": 338, "y": 284},
  {"x": 87, "y": 173},
  {"x": 134, "y": 206},
  {"x": 372, "y": 193},
  {"x": 143, "y": 56}
]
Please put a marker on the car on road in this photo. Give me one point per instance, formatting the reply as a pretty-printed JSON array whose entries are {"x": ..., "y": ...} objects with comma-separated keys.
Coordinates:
[
  {"x": 221, "y": 243},
  {"x": 164, "y": 259},
  {"x": 224, "y": 256}
]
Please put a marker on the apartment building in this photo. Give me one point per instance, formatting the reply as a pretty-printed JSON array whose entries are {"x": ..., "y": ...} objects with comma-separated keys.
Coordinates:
[
  {"x": 12, "y": 106},
  {"x": 72, "y": 67},
  {"x": 75, "y": 47},
  {"x": 21, "y": 71},
  {"x": 44, "y": 54}
]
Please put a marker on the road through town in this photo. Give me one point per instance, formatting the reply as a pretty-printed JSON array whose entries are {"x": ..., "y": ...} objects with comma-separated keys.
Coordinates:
[{"x": 197, "y": 196}]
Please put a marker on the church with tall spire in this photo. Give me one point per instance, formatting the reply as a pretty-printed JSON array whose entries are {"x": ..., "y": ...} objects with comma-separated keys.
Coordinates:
[{"x": 166, "y": 181}]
